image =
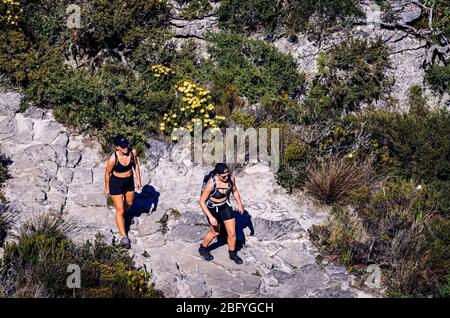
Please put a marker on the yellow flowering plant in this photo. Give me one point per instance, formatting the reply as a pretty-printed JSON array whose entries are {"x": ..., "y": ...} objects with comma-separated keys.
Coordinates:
[
  {"x": 10, "y": 13},
  {"x": 160, "y": 71},
  {"x": 195, "y": 106}
]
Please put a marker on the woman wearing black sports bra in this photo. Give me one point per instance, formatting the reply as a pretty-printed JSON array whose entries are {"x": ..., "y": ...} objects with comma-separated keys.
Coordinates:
[
  {"x": 215, "y": 203},
  {"x": 119, "y": 182}
]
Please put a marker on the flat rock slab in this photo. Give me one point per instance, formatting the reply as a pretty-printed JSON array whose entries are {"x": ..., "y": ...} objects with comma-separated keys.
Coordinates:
[
  {"x": 187, "y": 233},
  {"x": 269, "y": 230}
]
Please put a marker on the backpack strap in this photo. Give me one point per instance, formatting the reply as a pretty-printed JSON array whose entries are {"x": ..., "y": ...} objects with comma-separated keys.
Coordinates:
[
  {"x": 213, "y": 178},
  {"x": 132, "y": 156},
  {"x": 115, "y": 160}
]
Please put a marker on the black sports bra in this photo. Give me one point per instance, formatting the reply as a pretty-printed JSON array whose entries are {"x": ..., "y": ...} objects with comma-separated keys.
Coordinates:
[
  {"x": 118, "y": 167},
  {"x": 216, "y": 194}
]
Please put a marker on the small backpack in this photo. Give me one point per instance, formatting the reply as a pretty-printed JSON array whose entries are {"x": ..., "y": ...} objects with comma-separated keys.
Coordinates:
[{"x": 206, "y": 178}]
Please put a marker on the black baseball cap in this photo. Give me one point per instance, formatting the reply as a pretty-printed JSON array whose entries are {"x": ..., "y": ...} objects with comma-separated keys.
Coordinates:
[
  {"x": 221, "y": 168},
  {"x": 121, "y": 141}
]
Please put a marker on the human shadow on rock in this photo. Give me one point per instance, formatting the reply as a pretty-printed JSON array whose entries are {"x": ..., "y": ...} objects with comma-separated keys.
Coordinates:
[
  {"x": 242, "y": 222},
  {"x": 144, "y": 202}
]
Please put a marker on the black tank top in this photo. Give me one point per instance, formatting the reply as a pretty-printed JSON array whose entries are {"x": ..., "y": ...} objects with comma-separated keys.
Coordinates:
[
  {"x": 118, "y": 167},
  {"x": 216, "y": 194}
]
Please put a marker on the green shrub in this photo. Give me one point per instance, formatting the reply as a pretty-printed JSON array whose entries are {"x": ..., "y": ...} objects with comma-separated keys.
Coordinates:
[
  {"x": 444, "y": 289},
  {"x": 256, "y": 68},
  {"x": 354, "y": 75},
  {"x": 398, "y": 228},
  {"x": 338, "y": 235},
  {"x": 5, "y": 222},
  {"x": 194, "y": 8},
  {"x": 417, "y": 101},
  {"x": 438, "y": 76},
  {"x": 44, "y": 21},
  {"x": 243, "y": 119},
  {"x": 5, "y": 216},
  {"x": 292, "y": 16},
  {"x": 4, "y": 162},
  {"x": 250, "y": 16},
  {"x": 314, "y": 16},
  {"x": 112, "y": 100},
  {"x": 114, "y": 27},
  {"x": 40, "y": 257},
  {"x": 418, "y": 144}
]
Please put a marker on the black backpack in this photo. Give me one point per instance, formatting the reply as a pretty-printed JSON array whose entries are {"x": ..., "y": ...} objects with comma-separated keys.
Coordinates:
[{"x": 209, "y": 176}]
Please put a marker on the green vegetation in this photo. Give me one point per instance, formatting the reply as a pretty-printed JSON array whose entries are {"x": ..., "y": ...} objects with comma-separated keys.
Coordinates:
[
  {"x": 5, "y": 217},
  {"x": 402, "y": 224},
  {"x": 5, "y": 222},
  {"x": 292, "y": 16},
  {"x": 396, "y": 227},
  {"x": 255, "y": 68},
  {"x": 438, "y": 76},
  {"x": 353, "y": 74},
  {"x": 386, "y": 174},
  {"x": 194, "y": 8},
  {"x": 35, "y": 265}
]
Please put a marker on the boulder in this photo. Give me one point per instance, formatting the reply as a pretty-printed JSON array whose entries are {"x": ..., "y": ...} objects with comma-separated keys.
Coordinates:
[
  {"x": 34, "y": 113},
  {"x": 61, "y": 140},
  {"x": 10, "y": 103},
  {"x": 73, "y": 158}
]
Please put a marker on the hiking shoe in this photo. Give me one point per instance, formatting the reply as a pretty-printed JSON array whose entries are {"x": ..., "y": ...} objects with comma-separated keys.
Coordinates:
[
  {"x": 125, "y": 242},
  {"x": 236, "y": 258},
  {"x": 204, "y": 252}
]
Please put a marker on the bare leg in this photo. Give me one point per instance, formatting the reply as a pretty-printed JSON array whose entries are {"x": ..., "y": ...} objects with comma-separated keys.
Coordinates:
[
  {"x": 230, "y": 225},
  {"x": 129, "y": 198},
  {"x": 120, "y": 211},
  {"x": 211, "y": 235}
]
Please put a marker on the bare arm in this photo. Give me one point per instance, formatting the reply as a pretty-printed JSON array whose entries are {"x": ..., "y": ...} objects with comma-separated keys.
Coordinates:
[
  {"x": 137, "y": 170},
  {"x": 237, "y": 196},
  {"x": 109, "y": 167},
  {"x": 203, "y": 198}
]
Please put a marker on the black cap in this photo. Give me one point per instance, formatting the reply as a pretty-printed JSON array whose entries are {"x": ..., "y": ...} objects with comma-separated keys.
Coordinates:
[
  {"x": 221, "y": 168},
  {"x": 121, "y": 141}
]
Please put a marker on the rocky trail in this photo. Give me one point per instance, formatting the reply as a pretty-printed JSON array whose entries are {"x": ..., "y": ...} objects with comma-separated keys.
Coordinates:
[{"x": 55, "y": 169}]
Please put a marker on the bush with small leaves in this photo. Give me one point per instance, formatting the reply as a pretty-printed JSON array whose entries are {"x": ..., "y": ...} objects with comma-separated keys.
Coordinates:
[{"x": 39, "y": 257}]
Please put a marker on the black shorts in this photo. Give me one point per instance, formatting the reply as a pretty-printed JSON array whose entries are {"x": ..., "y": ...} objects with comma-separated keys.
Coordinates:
[
  {"x": 221, "y": 213},
  {"x": 120, "y": 185}
]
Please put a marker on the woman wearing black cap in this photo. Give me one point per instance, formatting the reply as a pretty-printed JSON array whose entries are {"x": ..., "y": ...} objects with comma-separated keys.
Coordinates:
[
  {"x": 215, "y": 203},
  {"x": 119, "y": 181}
]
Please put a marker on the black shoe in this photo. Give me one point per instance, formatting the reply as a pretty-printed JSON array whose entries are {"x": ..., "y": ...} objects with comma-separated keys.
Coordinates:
[
  {"x": 203, "y": 251},
  {"x": 235, "y": 257}
]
